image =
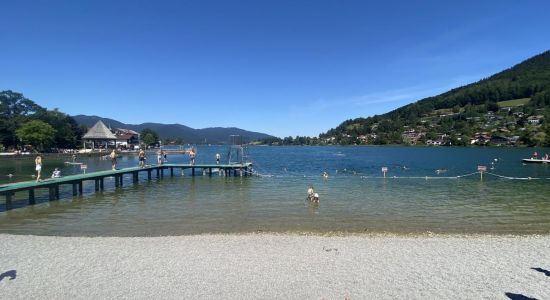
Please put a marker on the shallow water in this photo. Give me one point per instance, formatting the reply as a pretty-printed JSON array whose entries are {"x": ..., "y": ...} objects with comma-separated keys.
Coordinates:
[{"x": 356, "y": 198}]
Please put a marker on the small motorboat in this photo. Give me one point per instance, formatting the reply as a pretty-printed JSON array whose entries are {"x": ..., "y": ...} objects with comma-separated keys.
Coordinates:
[{"x": 536, "y": 161}]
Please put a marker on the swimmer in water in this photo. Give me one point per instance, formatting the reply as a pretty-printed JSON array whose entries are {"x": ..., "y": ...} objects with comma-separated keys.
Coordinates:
[{"x": 310, "y": 193}]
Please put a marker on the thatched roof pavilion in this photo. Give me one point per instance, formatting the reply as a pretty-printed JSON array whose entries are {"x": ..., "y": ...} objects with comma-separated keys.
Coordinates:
[{"x": 98, "y": 134}]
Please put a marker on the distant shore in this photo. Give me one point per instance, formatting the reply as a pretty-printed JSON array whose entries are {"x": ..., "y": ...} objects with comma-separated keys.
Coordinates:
[{"x": 276, "y": 266}]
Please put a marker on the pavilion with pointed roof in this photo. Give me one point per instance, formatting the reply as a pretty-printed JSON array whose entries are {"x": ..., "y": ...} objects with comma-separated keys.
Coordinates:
[{"x": 99, "y": 135}]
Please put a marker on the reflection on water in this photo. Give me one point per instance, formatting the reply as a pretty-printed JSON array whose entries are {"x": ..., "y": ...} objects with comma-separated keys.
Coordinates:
[{"x": 354, "y": 199}]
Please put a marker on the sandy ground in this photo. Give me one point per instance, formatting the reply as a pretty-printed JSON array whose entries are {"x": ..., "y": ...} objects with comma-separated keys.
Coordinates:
[{"x": 275, "y": 266}]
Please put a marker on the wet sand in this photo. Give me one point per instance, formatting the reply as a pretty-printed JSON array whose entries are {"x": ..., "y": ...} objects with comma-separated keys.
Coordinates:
[{"x": 282, "y": 266}]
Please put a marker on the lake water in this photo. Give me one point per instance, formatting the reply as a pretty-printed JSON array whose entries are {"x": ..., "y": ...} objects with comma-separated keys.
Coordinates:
[{"x": 414, "y": 198}]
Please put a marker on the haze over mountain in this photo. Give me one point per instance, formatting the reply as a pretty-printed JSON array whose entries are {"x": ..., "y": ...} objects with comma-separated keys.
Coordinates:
[{"x": 213, "y": 135}]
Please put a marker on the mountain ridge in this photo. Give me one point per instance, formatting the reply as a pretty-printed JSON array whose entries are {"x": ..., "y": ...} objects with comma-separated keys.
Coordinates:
[{"x": 211, "y": 135}]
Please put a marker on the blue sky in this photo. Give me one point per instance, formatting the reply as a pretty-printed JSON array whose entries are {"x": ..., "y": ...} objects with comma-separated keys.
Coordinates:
[{"x": 278, "y": 67}]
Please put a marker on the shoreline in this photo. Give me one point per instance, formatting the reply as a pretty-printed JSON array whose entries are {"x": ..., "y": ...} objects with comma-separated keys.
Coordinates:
[
  {"x": 327, "y": 234},
  {"x": 267, "y": 265}
]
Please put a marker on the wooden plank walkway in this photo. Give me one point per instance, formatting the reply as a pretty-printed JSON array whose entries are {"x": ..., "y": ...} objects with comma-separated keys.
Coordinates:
[{"x": 9, "y": 190}]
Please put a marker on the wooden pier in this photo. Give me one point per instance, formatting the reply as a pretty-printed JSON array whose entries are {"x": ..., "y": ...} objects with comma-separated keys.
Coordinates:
[{"x": 77, "y": 181}]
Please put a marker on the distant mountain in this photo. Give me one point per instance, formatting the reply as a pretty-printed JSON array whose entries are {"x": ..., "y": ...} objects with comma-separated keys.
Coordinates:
[
  {"x": 514, "y": 102},
  {"x": 214, "y": 135}
]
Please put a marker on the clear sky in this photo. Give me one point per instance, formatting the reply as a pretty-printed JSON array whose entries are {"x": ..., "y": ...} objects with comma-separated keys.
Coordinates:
[{"x": 276, "y": 66}]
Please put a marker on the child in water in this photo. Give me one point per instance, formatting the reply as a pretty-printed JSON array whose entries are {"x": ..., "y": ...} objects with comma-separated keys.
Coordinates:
[{"x": 311, "y": 195}]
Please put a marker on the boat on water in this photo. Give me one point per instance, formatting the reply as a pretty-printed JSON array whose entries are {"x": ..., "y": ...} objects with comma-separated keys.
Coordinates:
[{"x": 536, "y": 161}]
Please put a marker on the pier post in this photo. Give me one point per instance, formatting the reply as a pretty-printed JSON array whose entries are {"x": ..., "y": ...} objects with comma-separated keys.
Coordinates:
[
  {"x": 210, "y": 172},
  {"x": 171, "y": 172},
  {"x": 51, "y": 193},
  {"x": 161, "y": 172},
  {"x": 158, "y": 173},
  {"x": 148, "y": 174},
  {"x": 75, "y": 189},
  {"x": 116, "y": 181},
  {"x": 193, "y": 171},
  {"x": 80, "y": 187},
  {"x": 96, "y": 185},
  {"x": 101, "y": 185},
  {"x": 56, "y": 190},
  {"x": 121, "y": 178},
  {"x": 31, "y": 196},
  {"x": 9, "y": 198}
]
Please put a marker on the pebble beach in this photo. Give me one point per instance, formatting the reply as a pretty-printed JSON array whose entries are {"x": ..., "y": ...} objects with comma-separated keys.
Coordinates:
[{"x": 276, "y": 266}]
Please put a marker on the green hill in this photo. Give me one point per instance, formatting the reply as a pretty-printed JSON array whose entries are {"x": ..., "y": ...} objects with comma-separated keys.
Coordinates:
[{"x": 507, "y": 108}]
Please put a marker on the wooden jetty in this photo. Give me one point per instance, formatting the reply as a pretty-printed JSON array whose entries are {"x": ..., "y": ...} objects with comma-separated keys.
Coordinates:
[{"x": 77, "y": 181}]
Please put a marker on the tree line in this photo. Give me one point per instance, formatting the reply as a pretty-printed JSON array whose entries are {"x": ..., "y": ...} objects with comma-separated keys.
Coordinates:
[{"x": 25, "y": 125}]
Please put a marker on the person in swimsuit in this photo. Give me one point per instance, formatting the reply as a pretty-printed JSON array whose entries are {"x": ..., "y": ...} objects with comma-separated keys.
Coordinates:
[
  {"x": 141, "y": 156},
  {"x": 192, "y": 156},
  {"x": 159, "y": 157},
  {"x": 113, "y": 159},
  {"x": 38, "y": 168}
]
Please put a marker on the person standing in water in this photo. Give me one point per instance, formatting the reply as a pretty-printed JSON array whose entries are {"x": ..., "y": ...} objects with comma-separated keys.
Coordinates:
[
  {"x": 310, "y": 193},
  {"x": 113, "y": 159},
  {"x": 38, "y": 168}
]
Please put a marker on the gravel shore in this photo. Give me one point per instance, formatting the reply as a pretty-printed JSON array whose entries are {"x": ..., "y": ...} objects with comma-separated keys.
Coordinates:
[{"x": 275, "y": 266}]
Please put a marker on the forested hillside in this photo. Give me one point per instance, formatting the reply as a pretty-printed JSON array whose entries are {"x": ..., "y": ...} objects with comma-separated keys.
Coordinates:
[
  {"x": 478, "y": 113},
  {"x": 26, "y": 125}
]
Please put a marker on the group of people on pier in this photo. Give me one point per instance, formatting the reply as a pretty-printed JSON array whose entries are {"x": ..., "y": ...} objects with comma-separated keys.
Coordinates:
[{"x": 162, "y": 157}]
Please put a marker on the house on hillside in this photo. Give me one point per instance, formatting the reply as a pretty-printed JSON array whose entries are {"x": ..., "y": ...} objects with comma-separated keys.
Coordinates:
[
  {"x": 363, "y": 139},
  {"x": 411, "y": 136},
  {"x": 481, "y": 138},
  {"x": 499, "y": 140},
  {"x": 434, "y": 142},
  {"x": 535, "y": 120}
]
